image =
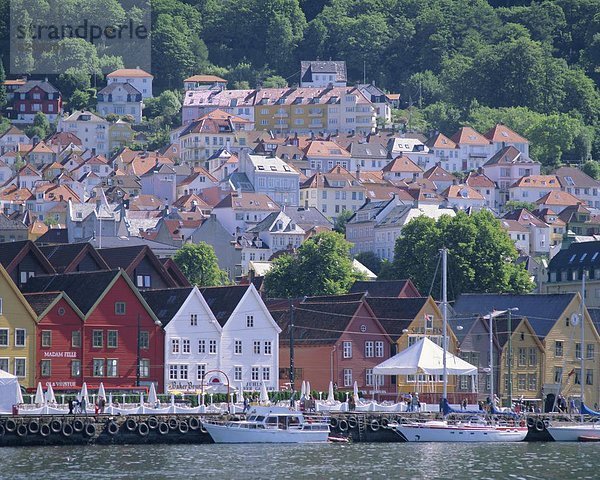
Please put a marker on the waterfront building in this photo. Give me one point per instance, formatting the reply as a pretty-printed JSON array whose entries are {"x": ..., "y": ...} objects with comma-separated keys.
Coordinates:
[{"x": 24, "y": 260}]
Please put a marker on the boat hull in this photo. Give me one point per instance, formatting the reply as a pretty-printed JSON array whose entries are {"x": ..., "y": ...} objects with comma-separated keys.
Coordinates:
[
  {"x": 426, "y": 433},
  {"x": 229, "y": 434},
  {"x": 572, "y": 433}
]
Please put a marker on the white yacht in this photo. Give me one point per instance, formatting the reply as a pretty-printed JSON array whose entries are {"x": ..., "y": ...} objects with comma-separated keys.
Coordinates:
[
  {"x": 469, "y": 431},
  {"x": 271, "y": 425}
]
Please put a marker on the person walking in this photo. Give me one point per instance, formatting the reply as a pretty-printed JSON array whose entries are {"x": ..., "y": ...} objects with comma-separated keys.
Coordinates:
[
  {"x": 71, "y": 406},
  {"x": 83, "y": 406}
]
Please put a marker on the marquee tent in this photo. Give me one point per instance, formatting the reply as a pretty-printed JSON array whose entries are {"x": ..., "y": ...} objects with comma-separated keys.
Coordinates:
[
  {"x": 9, "y": 391},
  {"x": 424, "y": 357}
]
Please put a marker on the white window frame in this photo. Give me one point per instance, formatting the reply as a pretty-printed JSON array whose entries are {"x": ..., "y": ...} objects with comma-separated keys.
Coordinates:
[
  {"x": 237, "y": 347},
  {"x": 379, "y": 349},
  {"x": 347, "y": 377},
  {"x": 347, "y": 349},
  {"x": 238, "y": 373},
  {"x": 20, "y": 359},
  {"x": 17, "y": 331}
]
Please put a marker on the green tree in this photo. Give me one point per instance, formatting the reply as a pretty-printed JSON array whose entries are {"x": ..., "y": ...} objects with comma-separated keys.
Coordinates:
[
  {"x": 80, "y": 100},
  {"x": 199, "y": 264},
  {"x": 275, "y": 81},
  {"x": 322, "y": 266},
  {"x": 591, "y": 168},
  {"x": 2, "y": 87},
  {"x": 516, "y": 205},
  {"x": 371, "y": 261},
  {"x": 339, "y": 224},
  {"x": 481, "y": 255},
  {"x": 167, "y": 105},
  {"x": 41, "y": 126}
]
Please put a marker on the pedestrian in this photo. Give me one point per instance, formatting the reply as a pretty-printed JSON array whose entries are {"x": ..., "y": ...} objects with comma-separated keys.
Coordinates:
[
  {"x": 102, "y": 404},
  {"x": 415, "y": 402},
  {"x": 71, "y": 406},
  {"x": 246, "y": 405},
  {"x": 83, "y": 406},
  {"x": 464, "y": 404},
  {"x": 409, "y": 404}
]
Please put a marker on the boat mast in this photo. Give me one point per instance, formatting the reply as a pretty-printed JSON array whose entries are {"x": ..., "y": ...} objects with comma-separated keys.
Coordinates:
[
  {"x": 444, "y": 252},
  {"x": 582, "y": 353}
]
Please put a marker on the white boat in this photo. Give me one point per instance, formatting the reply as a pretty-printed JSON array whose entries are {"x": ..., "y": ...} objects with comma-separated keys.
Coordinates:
[
  {"x": 442, "y": 431},
  {"x": 271, "y": 425},
  {"x": 574, "y": 432}
]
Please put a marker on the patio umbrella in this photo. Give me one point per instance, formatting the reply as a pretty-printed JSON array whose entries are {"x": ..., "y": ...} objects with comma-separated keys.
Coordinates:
[
  {"x": 355, "y": 391},
  {"x": 330, "y": 397},
  {"x": 101, "y": 391},
  {"x": 307, "y": 388},
  {"x": 303, "y": 389},
  {"x": 152, "y": 397},
  {"x": 19, "y": 394},
  {"x": 39, "y": 395},
  {"x": 50, "y": 397},
  {"x": 264, "y": 396},
  {"x": 84, "y": 393},
  {"x": 240, "y": 394}
]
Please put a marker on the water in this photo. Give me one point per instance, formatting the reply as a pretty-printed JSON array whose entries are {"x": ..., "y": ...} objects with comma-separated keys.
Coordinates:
[{"x": 324, "y": 461}]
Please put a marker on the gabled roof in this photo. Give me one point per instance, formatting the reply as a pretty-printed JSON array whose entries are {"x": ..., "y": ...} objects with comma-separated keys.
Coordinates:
[
  {"x": 310, "y": 67},
  {"x": 11, "y": 254},
  {"x": 558, "y": 198},
  {"x": 66, "y": 257},
  {"x": 462, "y": 192},
  {"x": 165, "y": 303},
  {"x": 440, "y": 141},
  {"x": 402, "y": 164},
  {"x": 176, "y": 274},
  {"x": 12, "y": 286},
  {"x": 111, "y": 87},
  {"x": 248, "y": 201},
  {"x": 479, "y": 180},
  {"x": 129, "y": 72},
  {"x": 574, "y": 177},
  {"x": 542, "y": 311},
  {"x": 396, "y": 314},
  {"x": 30, "y": 84},
  {"x": 384, "y": 288},
  {"x": 537, "y": 181},
  {"x": 205, "y": 79},
  {"x": 223, "y": 300},
  {"x": 469, "y": 136},
  {"x": 578, "y": 255},
  {"x": 347, "y": 297},
  {"x": 325, "y": 148},
  {"x": 501, "y": 133},
  {"x": 525, "y": 217},
  {"x": 41, "y": 303},
  {"x": 438, "y": 174},
  {"x": 508, "y": 156}
]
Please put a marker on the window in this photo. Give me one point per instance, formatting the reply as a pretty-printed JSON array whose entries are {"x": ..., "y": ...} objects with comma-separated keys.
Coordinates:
[
  {"x": 522, "y": 357},
  {"x": 201, "y": 346},
  {"x": 20, "y": 337},
  {"x": 174, "y": 345},
  {"x": 532, "y": 356},
  {"x": 257, "y": 347},
  {"x": 75, "y": 368},
  {"x": 111, "y": 367},
  {"x": 266, "y": 374},
  {"x": 255, "y": 374},
  {"x": 185, "y": 345},
  {"x": 193, "y": 319},
  {"x": 144, "y": 368},
  {"x": 250, "y": 318},
  {"x": 532, "y": 382},
  {"x": 98, "y": 367},
  {"x": 558, "y": 348},
  {"x": 237, "y": 373},
  {"x": 347, "y": 349},
  {"x": 369, "y": 349},
  {"x": 46, "y": 338},
  {"x": 173, "y": 372},
  {"x": 589, "y": 351},
  {"x": 268, "y": 347},
  {"x": 347, "y": 377},
  {"x": 76, "y": 338},
  {"x": 112, "y": 339},
  {"x": 144, "y": 339},
  {"x": 200, "y": 371},
  {"x": 4, "y": 364},
  {"x": 143, "y": 281},
  {"x": 45, "y": 368},
  {"x": 26, "y": 275},
  {"x": 212, "y": 346},
  {"x": 183, "y": 372},
  {"x": 119, "y": 308},
  {"x": 379, "y": 349},
  {"x": 369, "y": 377},
  {"x": 522, "y": 381},
  {"x": 3, "y": 337},
  {"x": 97, "y": 338},
  {"x": 589, "y": 376},
  {"x": 20, "y": 370},
  {"x": 577, "y": 376},
  {"x": 558, "y": 374},
  {"x": 237, "y": 347},
  {"x": 578, "y": 350}
]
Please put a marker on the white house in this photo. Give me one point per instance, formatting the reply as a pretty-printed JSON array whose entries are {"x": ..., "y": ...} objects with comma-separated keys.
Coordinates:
[
  {"x": 323, "y": 73},
  {"x": 136, "y": 77},
  {"x": 239, "y": 211},
  {"x": 272, "y": 176},
  {"x": 90, "y": 128},
  {"x": 121, "y": 99}
]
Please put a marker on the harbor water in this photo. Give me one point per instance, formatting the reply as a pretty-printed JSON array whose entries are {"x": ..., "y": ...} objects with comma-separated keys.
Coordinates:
[{"x": 317, "y": 461}]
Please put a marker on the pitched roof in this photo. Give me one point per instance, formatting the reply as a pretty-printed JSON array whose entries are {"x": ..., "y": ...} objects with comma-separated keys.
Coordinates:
[
  {"x": 381, "y": 288},
  {"x": 111, "y": 87},
  {"x": 128, "y": 258},
  {"x": 63, "y": 256},
  {"x": 537, "y": 181},
  {"x": 325, "y": 148},
  {"x": 558, "y": 198},
  {"x": 440, "y": 141},
  {"x": 30, "y": 84},
  {"x": 310, "y": 67},
  {"x": 573, "y": 177},
  {"x": 11, "y": 254},
  {"x": 396, "y": 314},
  {"x": 525, "y": 217},
  {"x": 165, "y": 303},
  {"x": 39, "y": 302},
  {"x": 129, "y": 72},
  {"x": 402, "y": 164},
  {"x": 248, "y": 201},
  {"x": 84, "y": 288},
  {"x": 469, "y": 136},
  {"x": 223, "y": 300},
  {"x": 347, "y": 297},
  {"x": 437, "y": 174},
  {"x": 501, "y": 133},
  {"x": 542, "y": 311},
  {"x": 205, "y": 79},
  {"x": 578, "y": 255},
  {"x": 508, "y": 156},
  {"x": 479, "y": 180},
  {"x": 462, "y": 191}
]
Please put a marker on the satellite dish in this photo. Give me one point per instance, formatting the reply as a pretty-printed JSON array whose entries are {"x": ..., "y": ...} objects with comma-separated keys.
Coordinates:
[{"x": 574, "y": 319}]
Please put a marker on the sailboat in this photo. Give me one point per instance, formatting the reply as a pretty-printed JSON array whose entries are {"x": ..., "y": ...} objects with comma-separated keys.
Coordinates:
[
  {"x": 474, "y": 428},
  {"x": 573, "y": 432}
]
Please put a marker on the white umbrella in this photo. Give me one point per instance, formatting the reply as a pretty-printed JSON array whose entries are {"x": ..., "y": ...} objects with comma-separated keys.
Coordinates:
[
  {"x": 307, "y": 388},
  {"x": 264, "y": 396},
  {"x": 101, "y": 391},
  {"x": 303, "y": 389},
  {"x": 240, "y": 394},
  {"x": 39, "y": 395},
  {"x": 50, "y": 397},
  {"x": 84, "y": 393},
  {"x": 330, "y": 397},
  {"x": 355, "y": 391},
  {"x": 152, "y": 397},
  {"x": 19, "y": 394}
]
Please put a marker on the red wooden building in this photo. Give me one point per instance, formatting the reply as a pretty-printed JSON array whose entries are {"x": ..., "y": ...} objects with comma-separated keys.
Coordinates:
[
  {"x": 36, "y": 96},
  {"x": 122, "y": 341}
]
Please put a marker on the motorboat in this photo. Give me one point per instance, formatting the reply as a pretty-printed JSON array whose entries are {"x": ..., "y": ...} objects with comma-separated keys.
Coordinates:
[
  {"x": 271, "y": 425},
  {"x": 472, "y": 430},
  {"x": 574, "y": 432}
]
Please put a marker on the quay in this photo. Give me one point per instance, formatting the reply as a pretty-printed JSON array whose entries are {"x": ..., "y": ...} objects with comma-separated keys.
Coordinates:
[{"x": 107, "y": 429}]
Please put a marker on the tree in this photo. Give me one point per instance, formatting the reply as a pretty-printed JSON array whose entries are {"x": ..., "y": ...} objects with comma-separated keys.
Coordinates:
[
  {"x": 516, "y": 205},
  {"x": 167, "y": 105},
  {"x": 481, "y": 255},
  {"x": 275, "y": 81},
  {"x": 591, "y": 168},
  {"x": 80, "y": 100},
  {"x": 199, "y": 264},
  {"x": 371, "y": 261},
  {"x": 2, "y": 87},
  {"x": 322, "y": 266},
  {"x": 339, "y": 225},
  {"x": 40, "y": 128}
]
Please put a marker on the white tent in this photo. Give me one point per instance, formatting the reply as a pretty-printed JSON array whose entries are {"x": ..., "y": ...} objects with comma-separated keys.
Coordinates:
[
  {"x": 9, "y": 391},
  {"x": 152, "y": 397},
  {"x": 264, "y": 396},
  {"x": 50, "y": 397},
  {"x": 39, "y": 395},
  {"x": 424, "y": 357}
]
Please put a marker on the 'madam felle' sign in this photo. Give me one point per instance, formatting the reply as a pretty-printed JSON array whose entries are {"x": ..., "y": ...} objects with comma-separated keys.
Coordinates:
[{"x": 60, "y": 354}]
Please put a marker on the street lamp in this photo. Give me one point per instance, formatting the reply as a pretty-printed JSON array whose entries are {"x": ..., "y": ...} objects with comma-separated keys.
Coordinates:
[{"x": 510, "y": 310}]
